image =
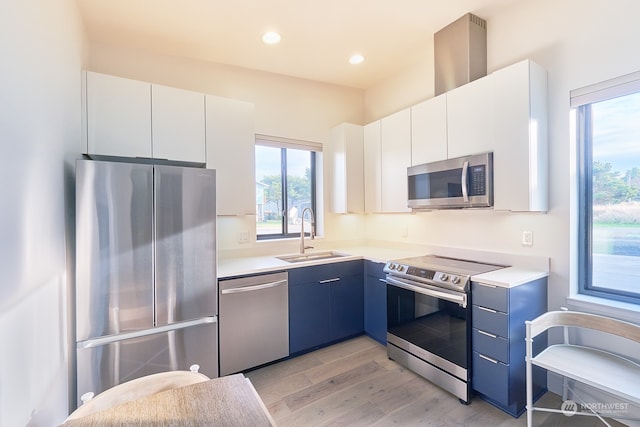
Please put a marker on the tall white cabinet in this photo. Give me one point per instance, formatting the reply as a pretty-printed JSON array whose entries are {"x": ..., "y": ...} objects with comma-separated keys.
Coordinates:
[
  {"x": 521, "y": 137},
  {"x": 387, "y": 154},
  {"x": 395, "y": 144},
  {"x": 345, "y": 153},
  {"x": 231, "y": 152},
  {"x": 372, "y": 167}
]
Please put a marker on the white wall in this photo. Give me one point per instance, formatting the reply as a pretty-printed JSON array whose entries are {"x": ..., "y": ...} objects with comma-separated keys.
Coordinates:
[{"x": 41, "y": 46}]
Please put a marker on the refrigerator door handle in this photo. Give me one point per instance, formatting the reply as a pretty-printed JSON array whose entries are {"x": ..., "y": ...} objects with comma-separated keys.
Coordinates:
[{"x": 108, "y": 339}]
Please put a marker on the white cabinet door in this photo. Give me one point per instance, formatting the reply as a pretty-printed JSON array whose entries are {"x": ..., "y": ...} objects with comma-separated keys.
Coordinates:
[
  {"x": 346, "y": 157},
  {"x": 470, "y": 118},
  {"x": 118, "y": 116},
  {"x": 231, "y": 152},
  {"x": 372, "y": 168},
  {"x": 429, "y": 130},
  {"x": 520, "y": 155},
  {"x": 178, "y": 124},
  {"x": 395, "y": 131}
]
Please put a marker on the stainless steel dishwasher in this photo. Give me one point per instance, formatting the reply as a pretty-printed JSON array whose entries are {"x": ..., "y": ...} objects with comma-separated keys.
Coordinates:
[{"x": 253, "y": 318}]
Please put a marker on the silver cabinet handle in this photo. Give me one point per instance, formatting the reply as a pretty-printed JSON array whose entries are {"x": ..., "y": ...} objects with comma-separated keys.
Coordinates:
[
  {"x": 486, "y": 285},
  {"x": 490, "y": 310},
  {"x": 487, "y": 334},
  {"x": 335, "y": 279},
  {"x": 488, "y": 359},
  {"x": 253, "y": 288}
]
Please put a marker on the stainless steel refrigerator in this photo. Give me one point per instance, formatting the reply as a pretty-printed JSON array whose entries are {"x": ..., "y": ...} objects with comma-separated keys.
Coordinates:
[{"x": 146, "y": 289}]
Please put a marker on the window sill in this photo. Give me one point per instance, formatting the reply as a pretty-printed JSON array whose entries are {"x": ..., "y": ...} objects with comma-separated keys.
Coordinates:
[{"x": 605, "y": 307}]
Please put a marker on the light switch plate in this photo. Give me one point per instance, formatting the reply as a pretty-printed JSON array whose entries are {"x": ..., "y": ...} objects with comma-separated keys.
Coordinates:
[{"x": 527, "y": 238}]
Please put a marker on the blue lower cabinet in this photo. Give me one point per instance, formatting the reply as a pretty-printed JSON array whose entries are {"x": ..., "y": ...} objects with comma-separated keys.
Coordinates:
[
  {"x": 308, "y": 315},
  {"x": 375, "y": 302},
  {"x": 498, "y": 362},
  {"x": 326, "y": 304},
  {"x": 347, "y": 307}
]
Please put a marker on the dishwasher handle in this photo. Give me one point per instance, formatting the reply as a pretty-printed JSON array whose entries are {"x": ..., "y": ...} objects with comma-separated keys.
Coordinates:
[{"x": 253, "y": 288}]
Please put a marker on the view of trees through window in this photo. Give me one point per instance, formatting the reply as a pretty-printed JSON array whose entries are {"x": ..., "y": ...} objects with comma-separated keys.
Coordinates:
[
  {"x": 615, "y": 194},
  {"x": 279, "y": 213}
]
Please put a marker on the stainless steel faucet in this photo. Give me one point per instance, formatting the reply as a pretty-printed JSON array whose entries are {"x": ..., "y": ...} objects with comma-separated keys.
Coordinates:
[{"x": 313, "y": 229}]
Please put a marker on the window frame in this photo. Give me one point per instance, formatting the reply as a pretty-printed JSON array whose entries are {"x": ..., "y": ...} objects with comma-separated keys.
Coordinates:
[
  {"x": 581, "y": 102},
  {"x": 284, "y": 144}
]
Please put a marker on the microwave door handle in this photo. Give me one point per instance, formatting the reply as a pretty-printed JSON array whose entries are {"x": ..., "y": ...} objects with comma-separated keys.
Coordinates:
[{"x": 465, "y": 192}]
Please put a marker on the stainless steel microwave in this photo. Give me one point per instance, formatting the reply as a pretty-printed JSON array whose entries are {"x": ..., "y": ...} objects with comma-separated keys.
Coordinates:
[{"x": 463, "y": 182}]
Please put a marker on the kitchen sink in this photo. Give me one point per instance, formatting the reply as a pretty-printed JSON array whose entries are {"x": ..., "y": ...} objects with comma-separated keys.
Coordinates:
[{"x": 312, "y": 256}]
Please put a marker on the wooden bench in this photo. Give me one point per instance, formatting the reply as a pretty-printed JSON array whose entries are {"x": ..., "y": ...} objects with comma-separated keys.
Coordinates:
[{"x": 604, "y": 370}]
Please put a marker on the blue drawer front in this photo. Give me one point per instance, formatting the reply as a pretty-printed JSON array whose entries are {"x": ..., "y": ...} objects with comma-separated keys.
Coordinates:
[
  {"x": 494, "y": 347},
  {"x": 490, "y": 296},
  {"x": 496, "y": 323},
  {"x": 491, "y": 379}
]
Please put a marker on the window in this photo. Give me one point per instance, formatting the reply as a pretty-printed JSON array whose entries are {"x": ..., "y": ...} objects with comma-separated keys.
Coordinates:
[
  {"x": 607, "y": 118},
  {"x": 285, "y": 186}
]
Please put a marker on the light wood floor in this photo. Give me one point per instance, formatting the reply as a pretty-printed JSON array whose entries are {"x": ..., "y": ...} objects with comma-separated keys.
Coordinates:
[{"x": 353, "y": 383}]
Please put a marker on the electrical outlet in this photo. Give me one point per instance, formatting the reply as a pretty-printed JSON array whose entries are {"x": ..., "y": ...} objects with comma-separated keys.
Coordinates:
[
  {"x": 527, "y": 238},
  {"x": 243, "y": 236}
]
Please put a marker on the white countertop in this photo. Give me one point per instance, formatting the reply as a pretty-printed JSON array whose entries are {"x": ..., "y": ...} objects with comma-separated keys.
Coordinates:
[
  {"x": 509, "y": 277},
  {"x": 230, "y": 267},
  {"x": 246, "y": 265}
]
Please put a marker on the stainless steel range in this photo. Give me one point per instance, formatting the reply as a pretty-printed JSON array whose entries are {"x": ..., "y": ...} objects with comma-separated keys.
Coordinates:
[{"x": 428, "y": 321}]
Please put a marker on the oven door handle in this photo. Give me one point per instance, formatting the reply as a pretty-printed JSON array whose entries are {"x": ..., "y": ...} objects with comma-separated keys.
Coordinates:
[{"x": 456, "y": 297}]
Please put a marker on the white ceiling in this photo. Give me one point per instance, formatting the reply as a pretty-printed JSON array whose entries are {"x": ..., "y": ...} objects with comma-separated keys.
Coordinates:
[{"x": 318, "y": 36}]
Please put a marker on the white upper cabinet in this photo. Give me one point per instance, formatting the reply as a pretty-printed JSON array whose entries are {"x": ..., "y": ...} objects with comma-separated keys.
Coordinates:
[
  {"x": 470, "y": 118},
  {"x": 521, "y": 151},
  {"x": 118, "y": 116},
  {"x": 231, "y": 152},
  {"x": 429, "y": 130},
  {"x": 178, "y": 124},
  {"x": 346, "y": 157},
  {"x": 132, "y": 118},
  {"x": 395, "y": 143},
  {"x": 372, "y": 168}
]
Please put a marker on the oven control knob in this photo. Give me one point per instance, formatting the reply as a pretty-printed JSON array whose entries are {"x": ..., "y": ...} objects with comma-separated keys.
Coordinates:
[
  {"x": 455, "y": 280},
  {"x": 444, "y": 277},
  {"x": 400, "y": 268}
]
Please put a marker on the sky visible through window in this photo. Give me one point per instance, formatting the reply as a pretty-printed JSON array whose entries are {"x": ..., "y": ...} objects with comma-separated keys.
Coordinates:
[{"x": 616, "y": 131}]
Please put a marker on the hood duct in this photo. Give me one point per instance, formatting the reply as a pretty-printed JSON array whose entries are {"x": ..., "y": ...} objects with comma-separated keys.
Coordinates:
[{"x": 460, "y": 53}]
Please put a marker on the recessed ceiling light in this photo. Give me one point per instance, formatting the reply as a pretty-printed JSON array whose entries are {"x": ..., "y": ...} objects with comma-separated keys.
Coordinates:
[
  {"x": 271, "y": 37},
  {"x": 356, "y": 59}
]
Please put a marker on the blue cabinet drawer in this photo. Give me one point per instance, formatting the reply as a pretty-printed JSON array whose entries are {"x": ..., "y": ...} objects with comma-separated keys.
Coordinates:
[
  {"x": 489, "y": 320},
  {"x": 490, "y": 296},
  {"x": 491, "y": 378},
  {"x": 490, "y": 345}
]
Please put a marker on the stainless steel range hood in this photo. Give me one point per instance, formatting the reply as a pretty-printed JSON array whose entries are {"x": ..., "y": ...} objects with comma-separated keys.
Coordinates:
[{"x": 460, "y": 53}]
